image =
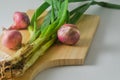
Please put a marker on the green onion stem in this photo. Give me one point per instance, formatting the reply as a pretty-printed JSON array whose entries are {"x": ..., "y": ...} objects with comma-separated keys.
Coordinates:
[
  {"x": 76, "y": 9},
  {"x": 78, "y": 12},
  {"x": 107, "y": 5},
  {"x": 39, "y": 11},
  {"x": 38, "y": 53},
  {"x": 70, "y": 1},
  {"x": 52, "y": 13}
]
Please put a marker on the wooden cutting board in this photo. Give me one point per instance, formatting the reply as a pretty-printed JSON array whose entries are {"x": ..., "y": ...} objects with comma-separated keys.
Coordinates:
[{"x": 60, "y": 54}]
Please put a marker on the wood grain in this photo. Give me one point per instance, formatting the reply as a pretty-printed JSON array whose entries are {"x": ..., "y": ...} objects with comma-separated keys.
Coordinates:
[{"x": 60, "y": 54}]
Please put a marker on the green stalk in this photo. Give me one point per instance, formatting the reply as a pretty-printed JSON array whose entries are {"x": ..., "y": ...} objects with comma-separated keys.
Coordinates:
[
  {"x": 52, "y": 13},
  {"x": 77, "y": 9},
  {"x": 61, "y": 20},
  {"x": 62, "y": 16},
  {"x": 33, "y": 26},
  {"x": 33, "y": 33},
  {"x": 63, "y": 13},
  {"x": 77, "y": 0},
  {"x": 39, "y": 11},
  {"x": 68, "y": 17},
  {"x": 49, "y": 29},
  {"x": 79, "y": 12},
  {"x": 38, "y": 53},
  {"x": 107, "y": 5}
]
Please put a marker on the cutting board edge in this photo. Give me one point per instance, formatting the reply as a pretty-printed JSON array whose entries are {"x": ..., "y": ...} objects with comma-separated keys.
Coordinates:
[
  {"x": 52, "y": 64},
  {"x": 57, "y": 63},
  {"x": 97, "y": 26}
]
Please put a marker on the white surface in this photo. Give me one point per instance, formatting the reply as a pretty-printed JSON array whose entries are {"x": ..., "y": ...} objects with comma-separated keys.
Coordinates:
[{"x": 103, "y": 60}]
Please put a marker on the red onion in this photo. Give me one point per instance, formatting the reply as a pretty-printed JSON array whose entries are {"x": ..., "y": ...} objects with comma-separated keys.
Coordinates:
[
  {"x": 21, "y": 21},
  {"x": 11, "y": 39},
  {"x": 68, "y": 34}
]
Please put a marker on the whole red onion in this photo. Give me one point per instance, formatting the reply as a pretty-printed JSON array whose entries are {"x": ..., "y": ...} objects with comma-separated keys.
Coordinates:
[
  {"x": 68, "y": 34},
  {"x": 11, "y": 39},
  {"x": 21, "y": 21}
]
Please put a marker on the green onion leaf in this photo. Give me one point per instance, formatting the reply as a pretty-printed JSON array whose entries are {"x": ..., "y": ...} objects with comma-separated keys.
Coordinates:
[
  {"x": 77, "y": 0},
  {"x": 79, "y": 12},
  {"x": 107, "y": 5},
  {"x": 39, "y": 11},
  {"x": 52, "y": 12}
]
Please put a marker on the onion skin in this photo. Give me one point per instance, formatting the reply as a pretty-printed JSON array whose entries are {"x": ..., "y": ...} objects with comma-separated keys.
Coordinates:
[
  {"x": 21, "y": 21},
  {"x": 70, "y": 25},
  {"x": 11, "y": 39},
  {"x": 68, "y": 34}
]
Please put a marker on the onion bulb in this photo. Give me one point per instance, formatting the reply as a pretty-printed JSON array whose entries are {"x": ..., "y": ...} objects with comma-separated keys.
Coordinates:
[
  {"x": 11, "y": 39},
  {"x": 68, "y": 34},
  {"x": 21, "y": 21}
]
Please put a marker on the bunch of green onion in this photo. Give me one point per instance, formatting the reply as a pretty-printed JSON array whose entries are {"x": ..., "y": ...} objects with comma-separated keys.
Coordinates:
[{"x": 44, "y": 36}]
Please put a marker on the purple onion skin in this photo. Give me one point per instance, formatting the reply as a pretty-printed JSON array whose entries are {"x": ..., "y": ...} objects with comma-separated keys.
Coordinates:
[
  {"x": 11, "y": 39},
  {"x": 68, "y": 34},
  {"x": 21, "y": 21}
]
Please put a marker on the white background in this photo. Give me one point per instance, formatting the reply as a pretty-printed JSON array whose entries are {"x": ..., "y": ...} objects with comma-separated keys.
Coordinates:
[{"x": 103, "y": 60}]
